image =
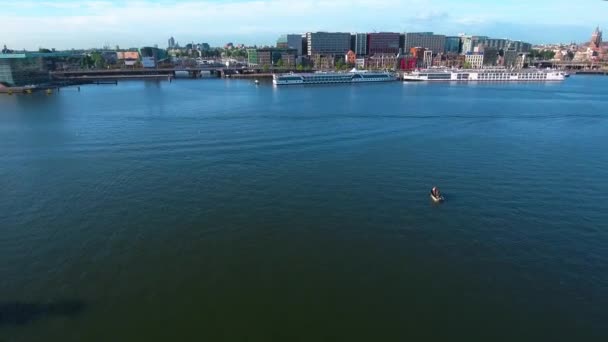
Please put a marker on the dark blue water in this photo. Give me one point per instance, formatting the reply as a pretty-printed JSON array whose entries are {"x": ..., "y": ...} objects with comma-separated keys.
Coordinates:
[{"x": 220, "y": 211}]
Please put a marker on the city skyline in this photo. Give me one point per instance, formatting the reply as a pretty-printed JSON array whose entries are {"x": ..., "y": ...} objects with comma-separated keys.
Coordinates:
[{"x": 68, "y": 24}]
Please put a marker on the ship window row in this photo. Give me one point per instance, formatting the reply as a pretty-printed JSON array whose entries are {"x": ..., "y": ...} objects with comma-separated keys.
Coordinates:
[
  {"x": 328, "y": 79},
  {"x": 290, "y": 78},
  {"x": 439, "y": 76},
  {"x": 537, "y": 76}
]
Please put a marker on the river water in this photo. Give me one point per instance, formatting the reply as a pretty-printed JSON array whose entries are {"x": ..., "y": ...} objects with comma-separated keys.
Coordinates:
[{"x": 217, "y": 210}]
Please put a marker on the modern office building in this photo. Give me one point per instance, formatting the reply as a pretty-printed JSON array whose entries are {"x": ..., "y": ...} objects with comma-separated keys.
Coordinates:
[
  {"x": 252, "y": 57},
  {"x": 490, "y": 55},
  {"x": 452, "y": 45},
  {"x": 282, "y": 42},
  {"x": 171, "y": 43},
  {"x": 469, "y": 43},
  {"x": 426, "y": 40},
  {"x": 294, "y": 41},
  {"x": 497, "y": 43},
  {"x": 33, "y": 68},
  {"x": 359, "y": 45},
  {"x": 159, "y": 55},
  {"x": 519, "y": 46},
  {"x": 328, "y": 43},
  {"x": 510, "y": 58},
  {"x": 402, "y": 43},
  {"x": 386, "y": 43}
]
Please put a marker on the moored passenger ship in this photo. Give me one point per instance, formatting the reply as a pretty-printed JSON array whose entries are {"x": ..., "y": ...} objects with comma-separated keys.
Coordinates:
[
  {"x": 485, "y": 75},
  {"x": 333, "y": 77}
]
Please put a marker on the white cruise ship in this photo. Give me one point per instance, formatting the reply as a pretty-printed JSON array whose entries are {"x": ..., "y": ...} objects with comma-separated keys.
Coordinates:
[
  {"x": 485, "y": 75},
  {"x": 353, "y": 76}
]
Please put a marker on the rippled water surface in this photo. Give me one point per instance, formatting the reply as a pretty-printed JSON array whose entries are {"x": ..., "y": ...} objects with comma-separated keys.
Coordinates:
[{"x": 219, "y": 210}]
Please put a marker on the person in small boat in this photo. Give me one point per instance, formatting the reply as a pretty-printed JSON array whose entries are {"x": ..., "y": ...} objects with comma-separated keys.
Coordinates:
[{"x": 435, "y": 191}]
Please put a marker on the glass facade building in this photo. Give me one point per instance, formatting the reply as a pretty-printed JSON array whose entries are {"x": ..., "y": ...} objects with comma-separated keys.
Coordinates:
[
  {"x": 360, "y": 46},
  {"x": 452, "y": 45},
  {"x": 328, "y": 43},
  {"x": 383, "y": 43},
  {"x": 32, "y": 68},
  {"x": 426, "y": 40}
]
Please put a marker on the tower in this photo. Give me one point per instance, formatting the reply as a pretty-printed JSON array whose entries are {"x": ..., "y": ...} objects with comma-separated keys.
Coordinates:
[
  {"x": 596, "y": 39},
  {"x": 171, "y": 43}
]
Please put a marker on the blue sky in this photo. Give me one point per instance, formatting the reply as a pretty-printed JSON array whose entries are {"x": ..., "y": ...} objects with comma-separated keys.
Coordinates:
[{"x": 64, "y": 24}]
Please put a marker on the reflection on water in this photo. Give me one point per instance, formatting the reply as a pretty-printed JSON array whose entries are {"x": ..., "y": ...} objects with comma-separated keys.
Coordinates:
[{"x": 229, "y": 211}]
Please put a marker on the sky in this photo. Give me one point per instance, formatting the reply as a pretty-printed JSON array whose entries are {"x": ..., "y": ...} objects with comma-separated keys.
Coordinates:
[{"x": 65, "y": 24}]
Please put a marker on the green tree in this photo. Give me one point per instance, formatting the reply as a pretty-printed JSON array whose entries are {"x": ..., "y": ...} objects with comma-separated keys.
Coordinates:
[
  {"x": 339, "y": 65},
  {"x": 300, "y": 67},
  {"x": 87, "y": 62},
  {"x": 467, "y": 65},
  {"x": 98, "y": 61},
  {"x": 265, "y": 68},
  {"x": 280, "y": 63}
]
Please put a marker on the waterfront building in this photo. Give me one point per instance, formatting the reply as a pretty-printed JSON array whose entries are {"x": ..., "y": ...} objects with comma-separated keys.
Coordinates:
[
  {"x": 323, "y": 62},
  {"x": 148, "y": 62},
  {"x": 328, "y": 43},
  {"x": 428, "y": 59},
  {"x": 27, "y": 68},
  {"x": 490, "y": 55},
  {"x": 519, "y": 46},
  {"x": 497, "y": 43},
  {"x": 288, "y": 57},
  {"x": 110, "y": 57},
  {"x": 381, "y": 62},
  {"x": 360, "y": 63},
  {"x": 474, "y": 60},
  {"x": 294, "y": 41},
  {"x": 129, "y": 58},
  {"x": 596, "y": 39},
  {"x": 449, "y": 60},
  {"x": 510, "y": 57},
  {"x": 305, "y": 45},
  {"x": 282, "y": 42},
  {"x": 350, "y": 57},
  {"x": 408, "y": 63},
  {"x": 252, "y": 57},
  {"x": 426, "y": 40},
  {"x": 157, "y": 54},
  {"x": 469, "y": 43},
  {"x": 360, "y": 44},
  {"x": 452, "y": 45},
  {"x": 267, "y": 57},
  {"x": 383, "y": 43},
  {"x": 418, "y": 54}
]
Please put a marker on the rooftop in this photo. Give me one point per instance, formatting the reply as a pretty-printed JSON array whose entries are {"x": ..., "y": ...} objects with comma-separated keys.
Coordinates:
[{"x": 36, "y": 55}]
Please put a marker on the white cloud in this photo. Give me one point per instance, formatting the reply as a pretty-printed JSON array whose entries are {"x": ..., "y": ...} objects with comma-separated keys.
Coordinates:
[{"x": 66, "y": 23}]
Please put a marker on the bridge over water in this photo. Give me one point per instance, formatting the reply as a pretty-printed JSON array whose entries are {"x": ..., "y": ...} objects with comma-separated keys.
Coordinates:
[{"x": 158, "y": 73}]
